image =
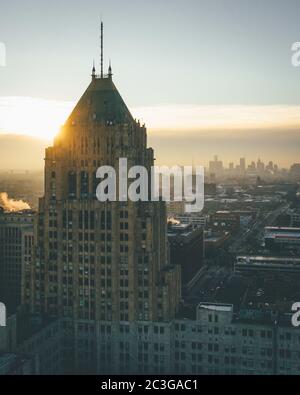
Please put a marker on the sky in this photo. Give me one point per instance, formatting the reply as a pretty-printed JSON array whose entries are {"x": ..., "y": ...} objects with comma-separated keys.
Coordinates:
[{"x": 186, "y": 67}]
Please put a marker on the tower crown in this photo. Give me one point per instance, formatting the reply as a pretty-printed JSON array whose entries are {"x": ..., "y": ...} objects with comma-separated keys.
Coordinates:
[{"x": 101, "y": 101}]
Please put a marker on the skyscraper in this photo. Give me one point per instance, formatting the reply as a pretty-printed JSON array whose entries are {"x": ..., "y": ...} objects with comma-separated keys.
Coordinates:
[
  {"x": 242, "y": 165},
  {"x": 216, "y": 166},
  {"x": 97, "y": 260},
  {"x": 260, "y": 166}
]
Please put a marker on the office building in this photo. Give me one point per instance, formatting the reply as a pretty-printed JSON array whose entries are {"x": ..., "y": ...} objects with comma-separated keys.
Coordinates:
[
  {"x": 186, "y": 249},
  {"x": 97, "y": 260},
  {"x": 16, "y": 249}
]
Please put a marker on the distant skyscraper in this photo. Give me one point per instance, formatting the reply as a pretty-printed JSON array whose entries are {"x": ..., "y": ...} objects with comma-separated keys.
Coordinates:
[
  {"x": 216, "y": 166},
  {"x": 104, "y": 261},
  {"x": 242, "y": 165},
  {"x": 270, "y": 166},
  {"x": 260, "y": 166}
]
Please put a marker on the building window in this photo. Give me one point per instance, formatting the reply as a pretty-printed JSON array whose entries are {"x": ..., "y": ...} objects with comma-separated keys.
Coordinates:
[{"x": 72, "y": 184}]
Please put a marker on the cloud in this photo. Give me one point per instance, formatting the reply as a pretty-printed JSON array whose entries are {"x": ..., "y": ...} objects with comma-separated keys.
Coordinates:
[
  {"x": 223, "y": 117},
  {"x": 43, "y": 118},
  {"x": 200, "y": 131},
  {"x": 32, "y": 116}
]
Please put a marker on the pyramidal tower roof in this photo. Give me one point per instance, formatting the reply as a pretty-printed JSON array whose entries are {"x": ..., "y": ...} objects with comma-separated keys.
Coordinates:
[{"x": 101, "y": 101}]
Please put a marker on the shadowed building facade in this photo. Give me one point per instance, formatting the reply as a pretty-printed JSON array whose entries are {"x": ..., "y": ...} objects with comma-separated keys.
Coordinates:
[
  {"x": 16, "y": 244},
  {"x": 95, "y": 260}
]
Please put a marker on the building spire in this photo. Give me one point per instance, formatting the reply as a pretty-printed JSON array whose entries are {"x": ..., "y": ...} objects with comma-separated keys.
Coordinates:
[
  {"x": 110, "y": 70},
  {"x": 101, "y": 62},
  {"x": 93, "y": 70}
]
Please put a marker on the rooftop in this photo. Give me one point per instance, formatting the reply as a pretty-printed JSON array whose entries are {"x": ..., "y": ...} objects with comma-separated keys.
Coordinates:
[
  {"x": 182, "y": 231},
  {"x": 216, "y": 306},
  {"x": 103, "y": 101},
  {"x": 257, "y": 292},
  {"x": 267, "y": 259},
  {"x": 272, "y": 232}
]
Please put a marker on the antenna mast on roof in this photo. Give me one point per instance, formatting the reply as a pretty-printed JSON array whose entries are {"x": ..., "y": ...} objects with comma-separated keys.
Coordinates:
[{"x": 101, "y": 49}]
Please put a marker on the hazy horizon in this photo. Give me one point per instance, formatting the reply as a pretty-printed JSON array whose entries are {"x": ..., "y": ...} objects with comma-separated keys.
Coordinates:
[
  {"x": 216, "y": 79},
  {"x": 22, "y": 152}
]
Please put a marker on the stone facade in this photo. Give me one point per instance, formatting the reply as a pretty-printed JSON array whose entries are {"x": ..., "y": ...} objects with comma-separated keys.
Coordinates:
[
  {"x": 100, "y": 260},
  {"x": 16, "y": 245}
]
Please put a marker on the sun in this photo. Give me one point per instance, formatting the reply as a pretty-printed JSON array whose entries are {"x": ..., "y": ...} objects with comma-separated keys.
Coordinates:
[{"x": 33, "y": 116}]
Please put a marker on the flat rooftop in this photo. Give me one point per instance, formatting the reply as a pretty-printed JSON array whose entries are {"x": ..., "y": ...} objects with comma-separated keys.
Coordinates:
[
  {"x": 257, "y": 291},
  {"x": 267, "y": 259},
  {"x": 182, "y": 230},
  {"x": 216, "y": 307},
  {"x": 282, "y": 228}
]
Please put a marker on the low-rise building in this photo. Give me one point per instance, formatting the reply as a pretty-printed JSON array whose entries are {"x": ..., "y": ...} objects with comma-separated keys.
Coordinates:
[
  {"x": 267, "y": 264},
  {"x": 225, "y": 221},
  {"x": 278, "y": 238}
]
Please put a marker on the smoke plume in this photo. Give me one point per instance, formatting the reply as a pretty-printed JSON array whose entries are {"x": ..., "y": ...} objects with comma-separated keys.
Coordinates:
[{"x": 12, "y": 205}]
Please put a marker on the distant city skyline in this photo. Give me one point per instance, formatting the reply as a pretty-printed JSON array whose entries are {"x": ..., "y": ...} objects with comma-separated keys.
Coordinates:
[
  {"x": 28, "y": 154},
  {"x": 218, "y": 73}
]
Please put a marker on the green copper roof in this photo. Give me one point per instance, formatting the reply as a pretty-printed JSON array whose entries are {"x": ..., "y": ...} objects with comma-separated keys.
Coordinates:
[{"x": 101, "y": 102}]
